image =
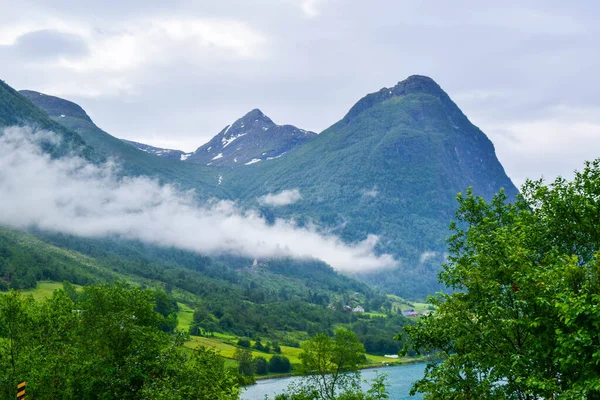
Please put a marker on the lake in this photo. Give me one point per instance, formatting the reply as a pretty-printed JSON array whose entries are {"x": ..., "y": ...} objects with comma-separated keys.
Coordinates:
[{"x": 400, "y": 379}]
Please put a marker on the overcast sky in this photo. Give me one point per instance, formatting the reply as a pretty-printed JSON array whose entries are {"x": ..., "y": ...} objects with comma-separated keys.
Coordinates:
[{"x": 174, "y": 73}]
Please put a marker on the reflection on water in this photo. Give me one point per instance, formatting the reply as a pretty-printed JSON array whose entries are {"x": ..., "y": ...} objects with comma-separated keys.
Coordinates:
[{"x": 400, "y": 380}]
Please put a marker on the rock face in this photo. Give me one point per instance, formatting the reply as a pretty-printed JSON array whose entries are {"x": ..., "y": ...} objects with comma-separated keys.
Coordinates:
[{"x": 250, "y": 140}]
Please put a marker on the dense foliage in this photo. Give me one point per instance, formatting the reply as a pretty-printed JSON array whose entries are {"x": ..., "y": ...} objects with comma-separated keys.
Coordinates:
[
  {"x": 330, "y": 371},
  {"x": 105, "y": 342},
  {"x": 523, "y": 321}
]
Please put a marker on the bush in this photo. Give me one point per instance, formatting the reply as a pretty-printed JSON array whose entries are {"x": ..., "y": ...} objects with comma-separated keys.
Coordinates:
[
  {"x": 261, "y": 365},
  {"x": 279, "y": 364},
  {"x": 244, "y": 343},
  {"x": 258, "y": 345},
  {"x": 276, "y": 348}
]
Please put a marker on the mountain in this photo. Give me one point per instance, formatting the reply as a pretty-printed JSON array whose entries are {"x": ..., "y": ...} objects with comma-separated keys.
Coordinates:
[
  {"x": 16, "y": 110},
  {"x": 391, "y": 167},
  {"x": 61, "y": 114},
  {"x": 160, "y": 152},
  {"x": 249, "y": 140}
]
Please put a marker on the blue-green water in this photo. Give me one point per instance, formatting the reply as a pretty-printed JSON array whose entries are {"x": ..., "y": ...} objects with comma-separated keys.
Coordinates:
[{"x": 400, "y": 379}]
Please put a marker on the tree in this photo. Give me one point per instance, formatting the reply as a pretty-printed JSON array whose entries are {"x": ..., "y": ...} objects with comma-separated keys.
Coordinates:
[
  {"x": 203, "y": 376},
  {"x": 245, "y": 363},
  {"x": 279, "y": 364},
  {"x": 258, "y": 345},
  {"x": 330, "y": 365},
  {"x": 108, "y": 345},
  {"x": 261, "y": 365},
  {"x": 524, "y": 311}
]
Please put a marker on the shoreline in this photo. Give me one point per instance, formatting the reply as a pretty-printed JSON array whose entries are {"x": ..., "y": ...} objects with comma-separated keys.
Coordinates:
[{"x": 362, "y": 367}]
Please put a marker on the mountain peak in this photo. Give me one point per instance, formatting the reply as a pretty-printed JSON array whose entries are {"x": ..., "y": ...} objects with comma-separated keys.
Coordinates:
[
  {"x": 256, "y": 115},
  {"x": 417, "y": 83},
  {"x": 412, "y": 85},
  {"x": 249, "y": 140}
]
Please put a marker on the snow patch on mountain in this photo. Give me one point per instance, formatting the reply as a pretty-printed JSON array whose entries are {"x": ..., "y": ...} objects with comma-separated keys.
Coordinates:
[{"x": 227, "y": 141}]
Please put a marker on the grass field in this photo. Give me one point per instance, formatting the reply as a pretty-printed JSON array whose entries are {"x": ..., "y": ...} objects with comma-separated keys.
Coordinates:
[
  {"x": 374, "y": 314},
  {"x": 44, "y": 289},
  {"x": 228, "y": 350},
  {"x": 185, "y": 317},
  {"x": 401, "y": 304}
]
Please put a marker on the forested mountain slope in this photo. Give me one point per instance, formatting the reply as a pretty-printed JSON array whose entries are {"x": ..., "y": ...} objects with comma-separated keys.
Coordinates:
[{"x": 392, "y": 167}]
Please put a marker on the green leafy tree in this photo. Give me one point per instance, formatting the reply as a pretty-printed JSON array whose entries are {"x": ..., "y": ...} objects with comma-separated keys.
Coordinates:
[
  {"x": 246, "y": 365},
  {"x": 203, "y": 376},
  {"x": 279, "y": 364},
  {"x": 523, "y": 320},
  {"x": 330, "y": 365},
  {"x": 261, "y": 365},
  {"x": 258, "y": 345},
  {"x": 107, "y": 345}
]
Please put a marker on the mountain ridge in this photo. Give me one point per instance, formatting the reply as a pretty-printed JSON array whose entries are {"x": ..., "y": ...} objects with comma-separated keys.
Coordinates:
[
  {"x": 159, "y": 151},
  {"x": 65, "y": 115},
  {"x": 391, "y": 167}
]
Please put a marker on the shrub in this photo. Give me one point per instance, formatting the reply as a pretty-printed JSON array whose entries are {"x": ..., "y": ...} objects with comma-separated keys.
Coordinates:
[{"x": 279, "y": 364}]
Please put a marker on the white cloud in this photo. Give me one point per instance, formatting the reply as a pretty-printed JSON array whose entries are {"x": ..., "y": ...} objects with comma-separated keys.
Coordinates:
[
  {"x": 118, "y": 55},
  {"x": 427, "y": 255},
  {"x": 283, "y": 198},
  {"x": 310, "y": 7},
  {"x": 169, "y": 40},
  {"x": 73, "y": 196}
]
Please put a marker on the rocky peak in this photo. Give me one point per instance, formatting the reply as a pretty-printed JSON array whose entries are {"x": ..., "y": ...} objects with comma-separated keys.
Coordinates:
[{"x": 249, "y": 140}]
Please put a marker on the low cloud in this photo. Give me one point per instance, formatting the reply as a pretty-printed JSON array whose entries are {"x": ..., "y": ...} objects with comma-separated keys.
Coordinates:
[
  {"x": 71, "y": 195},
  {"x": 283, "y": 198}
]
